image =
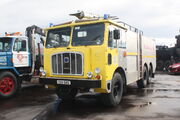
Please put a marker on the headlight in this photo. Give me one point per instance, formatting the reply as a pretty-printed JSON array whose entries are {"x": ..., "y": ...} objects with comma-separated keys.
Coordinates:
[
  {"x": 89, "y": 74},
  {"x": 42, "y": 72},
  {"x": 97, "y": 70},
  {"x": 41, "y": 69},
  {"x": 176, "y": 66}
]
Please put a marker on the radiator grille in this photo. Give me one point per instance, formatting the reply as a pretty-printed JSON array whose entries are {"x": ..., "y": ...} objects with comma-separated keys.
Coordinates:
[{"x": 67, "y": 63}]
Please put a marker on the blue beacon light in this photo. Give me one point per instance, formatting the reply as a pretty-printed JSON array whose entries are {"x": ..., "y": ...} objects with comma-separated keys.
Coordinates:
[
  {"x": 106, "y": 16},
  {"x": 51, "y": 24}
]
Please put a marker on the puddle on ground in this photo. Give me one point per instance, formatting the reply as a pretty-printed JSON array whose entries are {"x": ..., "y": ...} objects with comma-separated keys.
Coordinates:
[{"x": 145, "y": 104}]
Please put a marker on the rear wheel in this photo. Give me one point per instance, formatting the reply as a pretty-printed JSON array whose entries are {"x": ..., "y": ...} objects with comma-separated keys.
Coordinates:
[
  {"x": 150, "y": 75},
  {"x": 66, "y": 93},
  {"x": 114, "y": 98},
  {"x": 142, "y": 83},
  {"x": 9, "y": 85}
]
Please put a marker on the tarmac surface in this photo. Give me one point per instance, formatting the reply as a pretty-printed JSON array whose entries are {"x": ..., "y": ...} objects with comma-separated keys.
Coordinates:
[
  {"x": 27, "y": 104},
  {"x": 160, "y": 100}
]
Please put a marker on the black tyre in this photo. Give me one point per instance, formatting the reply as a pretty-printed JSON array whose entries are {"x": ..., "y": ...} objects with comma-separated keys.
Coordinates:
[
  {"x": 9, "y": 85},
  {"x": 150, "y": 75},
  {"x": 142, "y": 83},
  {"x": 114, "y": 98},
  {"x": 66, "y": 93}
]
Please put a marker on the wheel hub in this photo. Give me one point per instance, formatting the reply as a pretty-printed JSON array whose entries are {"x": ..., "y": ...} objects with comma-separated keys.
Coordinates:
[
  {"x": 6, "y": 85},
  {"x": 116, "y": 90}
]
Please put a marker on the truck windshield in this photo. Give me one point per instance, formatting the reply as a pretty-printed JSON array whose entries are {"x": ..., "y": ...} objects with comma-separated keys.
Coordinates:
[
  {"x": 58, "y": 37},
  {"x": 5, "y": 44},
  {"x": 92, "y": 34}
]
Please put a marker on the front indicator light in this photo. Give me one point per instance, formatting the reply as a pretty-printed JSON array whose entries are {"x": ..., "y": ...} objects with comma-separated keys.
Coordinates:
[
  {"x": 98, "y": 77},
  {"x": 42, "y": 72}
]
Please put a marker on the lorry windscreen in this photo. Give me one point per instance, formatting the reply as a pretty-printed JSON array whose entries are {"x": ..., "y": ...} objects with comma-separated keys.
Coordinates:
[
  {"x": 5, "y": 44},
  {"x": 92, "y": 34},
  {"x": 58, "y": 37}
]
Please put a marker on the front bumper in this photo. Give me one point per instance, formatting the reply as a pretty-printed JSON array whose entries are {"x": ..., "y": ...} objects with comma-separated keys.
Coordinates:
[
  {"x": 174, "y": 70},
  {"x": 86, "y": 83}
]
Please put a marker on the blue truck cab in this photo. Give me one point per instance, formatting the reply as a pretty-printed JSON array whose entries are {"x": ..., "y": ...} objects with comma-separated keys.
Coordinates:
[
  {"x": 20, "y": 59},
  {"x": 15, "y": 64},
  {"x": 15, "y": 55}
]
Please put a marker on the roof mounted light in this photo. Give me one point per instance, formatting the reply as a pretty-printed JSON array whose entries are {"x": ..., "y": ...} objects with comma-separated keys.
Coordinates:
[
  {"x": 79, "y": 14},
  {"x": 106, "y": 16},
  {"x": 83, "y": 15},
  {"x": 51, "y": 24},
  {"x": 13, "y": 34}
]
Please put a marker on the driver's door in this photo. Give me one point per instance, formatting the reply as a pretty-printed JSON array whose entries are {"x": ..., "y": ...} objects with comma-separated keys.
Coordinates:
[{"x": 20, "y": 53}]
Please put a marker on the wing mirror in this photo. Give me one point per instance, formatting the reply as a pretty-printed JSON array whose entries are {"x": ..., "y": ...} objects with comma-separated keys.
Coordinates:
[{"x": 116, "y": 34}]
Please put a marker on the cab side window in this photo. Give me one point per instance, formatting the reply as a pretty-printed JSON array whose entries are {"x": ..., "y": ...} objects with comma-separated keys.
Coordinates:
[
  {"x": 122, "y": 41},
  {"x": 20, "y": 45}
]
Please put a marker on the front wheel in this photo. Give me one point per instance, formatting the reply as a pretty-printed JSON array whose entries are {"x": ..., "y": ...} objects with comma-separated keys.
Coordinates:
[
  {"x": 66, "y": 93},
  {"x": 114, "y": 98},
  {"x": 9, "y": 85}
]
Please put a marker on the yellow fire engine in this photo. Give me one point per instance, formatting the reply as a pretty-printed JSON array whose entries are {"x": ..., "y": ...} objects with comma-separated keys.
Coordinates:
[{"x": 98, "y": 54}]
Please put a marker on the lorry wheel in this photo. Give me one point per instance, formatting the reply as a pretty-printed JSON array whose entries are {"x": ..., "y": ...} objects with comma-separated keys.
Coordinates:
[
  {"x": 114, "y": 98},
  {"x": 150, "y": 75},
  {"x": 9, "y": 85},
  {"x": 66, "y": 93},
  {"x": 142, "y": 83}
]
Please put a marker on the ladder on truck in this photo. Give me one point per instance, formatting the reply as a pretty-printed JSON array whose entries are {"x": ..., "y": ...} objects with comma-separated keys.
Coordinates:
[{"x": 140, "y": 55}]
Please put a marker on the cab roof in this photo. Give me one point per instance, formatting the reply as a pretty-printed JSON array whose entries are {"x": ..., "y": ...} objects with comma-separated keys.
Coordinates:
[
  {"x": 14, "y": 37},
  {"x": 84, "y": 22}
]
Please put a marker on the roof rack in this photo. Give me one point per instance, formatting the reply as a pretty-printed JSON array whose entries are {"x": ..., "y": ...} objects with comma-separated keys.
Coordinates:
[
  {"x": 131, "y": 28},
  {"x": 82, "y": 16},
  {"x": 62, "y": 24}
]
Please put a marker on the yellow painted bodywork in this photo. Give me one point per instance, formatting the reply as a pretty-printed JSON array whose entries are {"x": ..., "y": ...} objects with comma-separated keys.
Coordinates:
[{"x": 95, "y": 56}]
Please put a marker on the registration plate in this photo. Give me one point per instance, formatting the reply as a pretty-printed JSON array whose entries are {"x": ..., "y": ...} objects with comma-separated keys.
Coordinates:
[{"x": 63, "y": 82}]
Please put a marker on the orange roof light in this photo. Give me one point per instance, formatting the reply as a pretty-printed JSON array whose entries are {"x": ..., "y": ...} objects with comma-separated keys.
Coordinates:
[{"x": 13, "y": 34}]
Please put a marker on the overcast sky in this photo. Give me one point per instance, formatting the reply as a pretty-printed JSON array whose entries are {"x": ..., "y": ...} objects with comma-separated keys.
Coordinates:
[{"x": 158, "y": 19}]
